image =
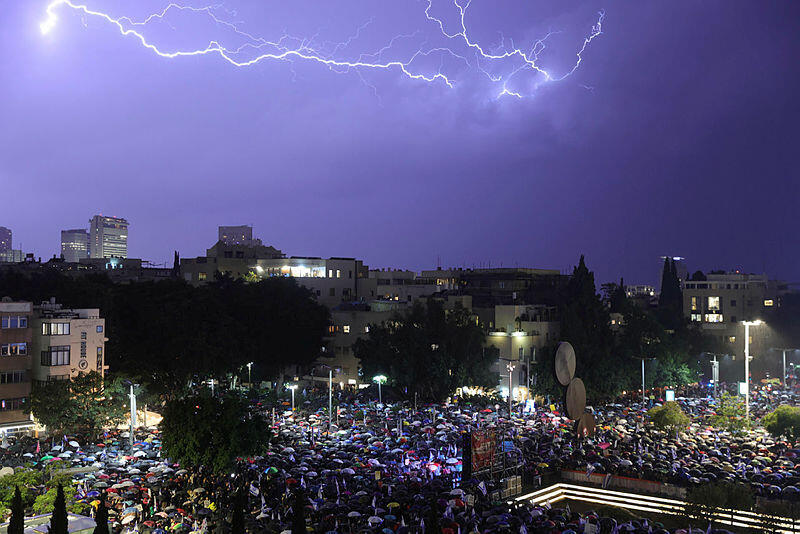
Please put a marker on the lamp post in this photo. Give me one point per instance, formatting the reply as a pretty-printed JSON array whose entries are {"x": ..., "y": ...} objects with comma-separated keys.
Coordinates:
[
  {"x": 292, "y": 387},
  {"x": 510, "y": 368},
  {"x": 747, "y": 325},
  {"x": 379, "y": 379},
  {"x": 249, "y": 375},
  {"x": 784, "y": 351},
  {"x": 133, "y": 413}
]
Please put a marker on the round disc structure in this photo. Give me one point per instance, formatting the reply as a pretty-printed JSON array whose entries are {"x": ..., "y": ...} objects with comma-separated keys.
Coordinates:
[
  {"x": 585, "y": 426},
  {"x": 576, "y": 399},
  {"x": 565, "y": 363}
]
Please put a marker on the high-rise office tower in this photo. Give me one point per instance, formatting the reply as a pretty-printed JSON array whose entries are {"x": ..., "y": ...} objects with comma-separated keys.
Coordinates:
[
  {"x": 5, "y": 239},
  {"x": 238, "y": 235},
  {"x": 74, "y": 245},
  {"x": 108, "y": 237}
]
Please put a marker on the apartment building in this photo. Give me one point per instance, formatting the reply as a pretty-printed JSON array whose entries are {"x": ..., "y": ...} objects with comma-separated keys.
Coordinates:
[
  {"x": 15, "y": 363},
  {"x": 66, "y": 342},
  {"x": 720, "y": 301}
]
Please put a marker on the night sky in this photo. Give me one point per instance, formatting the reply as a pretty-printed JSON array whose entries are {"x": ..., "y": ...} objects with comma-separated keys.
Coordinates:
[{"x": 678, "y": 134}]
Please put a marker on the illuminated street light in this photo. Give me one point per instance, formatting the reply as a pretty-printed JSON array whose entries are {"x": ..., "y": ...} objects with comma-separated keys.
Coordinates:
[
  {"x": 379, "y": 379},
  {"x": 747, "y": 325},
  {"x": 292, "y": 387}
]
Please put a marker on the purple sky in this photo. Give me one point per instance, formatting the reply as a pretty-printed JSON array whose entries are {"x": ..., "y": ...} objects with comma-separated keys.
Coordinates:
[{"x": 685, "y": 144}]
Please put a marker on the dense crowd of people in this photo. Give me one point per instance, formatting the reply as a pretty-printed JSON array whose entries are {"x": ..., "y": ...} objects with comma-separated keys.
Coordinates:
[{"x": 396, "y": 469}]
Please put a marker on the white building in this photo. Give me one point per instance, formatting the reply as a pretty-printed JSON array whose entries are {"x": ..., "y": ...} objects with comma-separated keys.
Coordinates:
[
  {"x": 66, "y": 342},
  {"x": 108, "y": 237},
  {"x": 74, "y": 245}
]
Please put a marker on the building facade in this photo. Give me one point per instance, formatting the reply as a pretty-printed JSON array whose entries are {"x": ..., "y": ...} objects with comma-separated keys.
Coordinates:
[
  {"x": 332, "y": 281},
  {"x": 66, "y": 342},
  {"x": 5, "y": 239},
  {"x": 237, "y": 235},
  {"x": 108, "y": 237},
  {"x": 16, "y": 335},
  {"x": 721, "y": 301},
  {"x": 74, "y": 245}
]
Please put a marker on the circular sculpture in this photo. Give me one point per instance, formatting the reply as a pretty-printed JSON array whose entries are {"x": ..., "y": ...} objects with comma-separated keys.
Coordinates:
[
  {"x": 576, "y": 399},
  {"x": 565, "y": 363},
  {"x": 585, "y": 425}
]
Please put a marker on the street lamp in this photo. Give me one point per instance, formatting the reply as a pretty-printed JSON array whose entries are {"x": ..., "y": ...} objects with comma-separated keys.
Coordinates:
[
  {"x": 784, "y": 351},
  {"x": 379, "y": 379},
  {"x": 330, "y": 392},
  {"x": 510, "y": 368},
  {"x": 292, "y": 387},
  {"x": 747, "y": 325}
]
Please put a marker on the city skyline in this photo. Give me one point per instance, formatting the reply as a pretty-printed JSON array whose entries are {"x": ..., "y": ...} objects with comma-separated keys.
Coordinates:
[{"x": 661, "y": 143}]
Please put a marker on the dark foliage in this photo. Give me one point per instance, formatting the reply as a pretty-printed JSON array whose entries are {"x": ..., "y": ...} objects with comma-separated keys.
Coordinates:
[
  {"x": 212, "y": 431},
  {"x": 17, "y": 523},
  {"x": 58, "y": 521},
  {"x": 428, "y": 351}
]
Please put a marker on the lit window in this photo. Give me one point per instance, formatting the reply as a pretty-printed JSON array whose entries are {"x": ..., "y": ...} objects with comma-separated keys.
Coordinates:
[
  {"x": 769, "y": 302},
  {"x": 713, "y": 303},
  {"x": 55, "y": 329},
  {"x": 732, "y": 339},
  {"x": 14, "y": 349},
  {"x": 338, "y": 273},
  {"x": 713, "y": 318},
  {"x": 697, "y": 317},
  {"x": 346, "y": 329},
  {"x": 366, "y": 329},
  {"x": 694, "y": 303},
  {"x": 202, "y": 276}
]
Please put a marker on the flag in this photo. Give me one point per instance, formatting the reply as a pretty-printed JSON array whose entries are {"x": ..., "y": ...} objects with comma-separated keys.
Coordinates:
[
  {"x": 254, "y": 490},
  {"x": 38, "y": 446},
  {"x": 482, "y": 487},
  {"x": 522, "y": 529},
  {"x": 589, "y": 470}
]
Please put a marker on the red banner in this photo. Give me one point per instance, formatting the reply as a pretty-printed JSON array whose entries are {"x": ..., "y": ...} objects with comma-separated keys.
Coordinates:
[{"x": 483, "y": 446}]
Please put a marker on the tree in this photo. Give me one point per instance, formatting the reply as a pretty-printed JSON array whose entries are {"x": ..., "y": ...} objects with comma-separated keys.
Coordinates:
[
  {"x": 706, "y": 501},
  {"x": 201, "y": 430},
  {"x": 85, "y": 404},
  {"x": 101, "y": 517},
  {"x": 784, "y": 421},
  {"x": 669, "y": 417},
  {"x": 58, "y": 521},
  {"x": 17, "y": 523},
  {"x": 237, "y": 516},
  {"x": 299, "y": 512},
  {"x": 730, "y": 414},
  {"x": 670, "y": 300},
  {"x": 429, "y": 351},
  {"x": 585, "y": 323}
]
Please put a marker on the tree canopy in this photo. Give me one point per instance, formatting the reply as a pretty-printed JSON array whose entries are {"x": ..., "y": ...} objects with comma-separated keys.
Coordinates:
[
  {"x": 212, "y": 431},
  {"x": 165, "y": 334},
  {"x": 429, "y": 351},
  {"x": 85, "y": 404},
  {"x": 669, "y": 417},
  {"x": 784, "y": 421}
]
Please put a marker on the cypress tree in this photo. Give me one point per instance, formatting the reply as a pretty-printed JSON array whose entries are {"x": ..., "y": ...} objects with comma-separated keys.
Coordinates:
[
  {"x": 58, "y": 521},
  {"x": 17, "y": 524},
  {"x": 101, "y": 517},
  {"x": 237, "y": 518},
  {"x": 665, "y": 296},
  {"x": 299, "y": 512}
]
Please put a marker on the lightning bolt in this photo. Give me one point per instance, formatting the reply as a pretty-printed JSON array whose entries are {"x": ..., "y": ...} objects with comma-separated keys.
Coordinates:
[{"x": 457, "y": 46}]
